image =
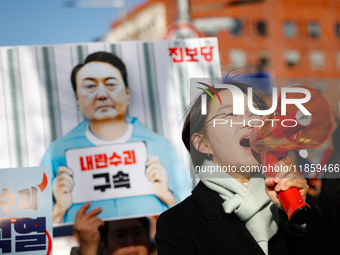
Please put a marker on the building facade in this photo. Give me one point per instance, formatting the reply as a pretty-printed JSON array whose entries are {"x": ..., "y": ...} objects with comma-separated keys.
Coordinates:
[{"x": 292, "y": 38}]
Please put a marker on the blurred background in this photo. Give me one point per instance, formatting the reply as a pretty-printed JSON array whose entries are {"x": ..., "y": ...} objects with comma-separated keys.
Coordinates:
[
  {"x": 285, "y": 38},
  {"x": 267, "y": 39}
]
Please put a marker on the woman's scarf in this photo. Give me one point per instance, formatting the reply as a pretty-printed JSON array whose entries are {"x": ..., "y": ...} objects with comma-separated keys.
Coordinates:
[{"x": 249, "y": 202}]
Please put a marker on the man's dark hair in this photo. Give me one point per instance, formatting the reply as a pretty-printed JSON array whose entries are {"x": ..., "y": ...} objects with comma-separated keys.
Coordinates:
[
  {"x": 104, "y": 230},
  {"x": 100, "y": 56}
]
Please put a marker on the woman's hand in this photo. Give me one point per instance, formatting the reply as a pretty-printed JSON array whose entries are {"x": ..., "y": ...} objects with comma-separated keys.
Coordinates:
[
  {"x": 87, "y": 226},
  {"x": 157, "y": 174},
  {"x": 284, "y": 181},
  {"x": 62, "y": 186}
]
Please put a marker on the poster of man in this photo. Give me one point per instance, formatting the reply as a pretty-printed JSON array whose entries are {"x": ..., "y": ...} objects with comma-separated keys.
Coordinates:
[
  {"x": 102, "y": 93},
  {"x": 111, "y": 133}
]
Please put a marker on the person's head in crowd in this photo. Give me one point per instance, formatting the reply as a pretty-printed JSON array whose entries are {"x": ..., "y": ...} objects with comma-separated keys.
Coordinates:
[
  {"x": 101, "y": 87},
  {"x": 222, "y": 144},
  {"x": 117, "y": 237},
  {"x": 125, "y": 237}
]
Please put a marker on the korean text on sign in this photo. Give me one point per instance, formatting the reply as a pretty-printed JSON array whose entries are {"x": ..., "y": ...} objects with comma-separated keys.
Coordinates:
[
  {"x": 28, "y": 235},
  {"x": 26, "y": 211},
  {"x": 194, "y": 54},
  {"x": 98, "y": 161},
  {"x": 109, "y": 172}
]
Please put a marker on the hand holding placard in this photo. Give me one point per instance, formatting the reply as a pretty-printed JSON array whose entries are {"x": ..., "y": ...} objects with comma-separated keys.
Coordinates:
[
  {"x": 62, "y": 186},
  {"x": 86, "y": 226},
  {"x": 109, "y": 172},
  {"x": 156, "y": 173}
]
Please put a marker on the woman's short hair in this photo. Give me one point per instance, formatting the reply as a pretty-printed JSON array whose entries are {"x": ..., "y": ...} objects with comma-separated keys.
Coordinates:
[{"x": 195, "y": 121}]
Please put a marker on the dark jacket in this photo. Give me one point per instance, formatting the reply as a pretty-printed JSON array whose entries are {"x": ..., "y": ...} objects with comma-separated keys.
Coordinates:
[{"x": 198, "y": 225}]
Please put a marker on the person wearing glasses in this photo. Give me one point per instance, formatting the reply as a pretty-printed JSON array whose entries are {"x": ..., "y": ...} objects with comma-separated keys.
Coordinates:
[
  {"x": 119, "y": 237},
  {"x": 232, "y": 212}
]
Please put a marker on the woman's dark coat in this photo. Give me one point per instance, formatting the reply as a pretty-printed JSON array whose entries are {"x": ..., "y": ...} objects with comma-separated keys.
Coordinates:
[{"x": 198, "y": 225}]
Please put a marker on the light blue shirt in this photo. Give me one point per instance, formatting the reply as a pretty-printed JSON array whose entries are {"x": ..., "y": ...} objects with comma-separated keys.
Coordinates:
[{"x": 179, "y": 182}]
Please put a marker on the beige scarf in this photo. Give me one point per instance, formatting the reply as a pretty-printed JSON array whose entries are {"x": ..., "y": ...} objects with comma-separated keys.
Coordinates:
[{"x": 250, "y": 203}]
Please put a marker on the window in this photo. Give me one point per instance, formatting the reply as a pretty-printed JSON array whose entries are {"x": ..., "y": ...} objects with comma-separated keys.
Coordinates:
[
  {"x": 320, "y": 85},
  {"x": 264, "y": 57},
  {"x": 237, "y": 27},
  {"x": 290, "y": 29},
  {"x": 211, "y": 26},
  {"x": 261, "y": 27},
  {"x": 314, "y": 29},
  {"x": 238, "y": 58},
  {"x": 292, "y": 57},
  {"x": 337, "y": 30},
  {"x": 317, "y": 59}
]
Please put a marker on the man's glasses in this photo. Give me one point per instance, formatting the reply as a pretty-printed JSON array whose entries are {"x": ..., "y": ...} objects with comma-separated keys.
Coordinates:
[{"x": 121, "y": 236}]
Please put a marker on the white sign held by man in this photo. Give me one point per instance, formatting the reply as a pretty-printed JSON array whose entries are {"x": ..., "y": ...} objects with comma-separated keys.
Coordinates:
[{"x": 112, "y": 171}]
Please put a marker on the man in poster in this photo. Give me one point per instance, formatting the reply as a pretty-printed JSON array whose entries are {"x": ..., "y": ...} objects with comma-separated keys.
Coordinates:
[{"x": 102, "y": 94}]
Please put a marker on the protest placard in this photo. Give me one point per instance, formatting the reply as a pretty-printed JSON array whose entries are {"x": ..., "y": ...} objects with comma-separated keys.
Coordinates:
[
  {"x": 111, "y": 171},
  {"x": 26, "y": 211},
  {"x": 52, "y": 116}
]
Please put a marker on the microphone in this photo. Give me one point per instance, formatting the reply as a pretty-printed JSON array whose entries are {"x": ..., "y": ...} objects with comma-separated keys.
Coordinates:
[{"x": 294, "y": 131}]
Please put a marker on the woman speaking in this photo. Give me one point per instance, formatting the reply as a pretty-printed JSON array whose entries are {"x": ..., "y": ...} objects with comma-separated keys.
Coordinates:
[{"x": 236, "y": 212}]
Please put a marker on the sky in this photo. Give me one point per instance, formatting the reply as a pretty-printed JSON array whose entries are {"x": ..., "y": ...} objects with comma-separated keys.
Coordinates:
[{"x": 29, "y": 22}]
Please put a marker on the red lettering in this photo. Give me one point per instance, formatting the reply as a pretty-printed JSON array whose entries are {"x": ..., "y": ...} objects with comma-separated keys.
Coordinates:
[
  {"x": 191, "y": 53},
  {"x": 130, "y": 157},
  {"x": 89, "y": 163},
  {"x": 101, "y": 160},
  {"x": 117, "y": 161},
  {"x": 208, "y": 56},
  {"x": 173, "y": 51}
]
